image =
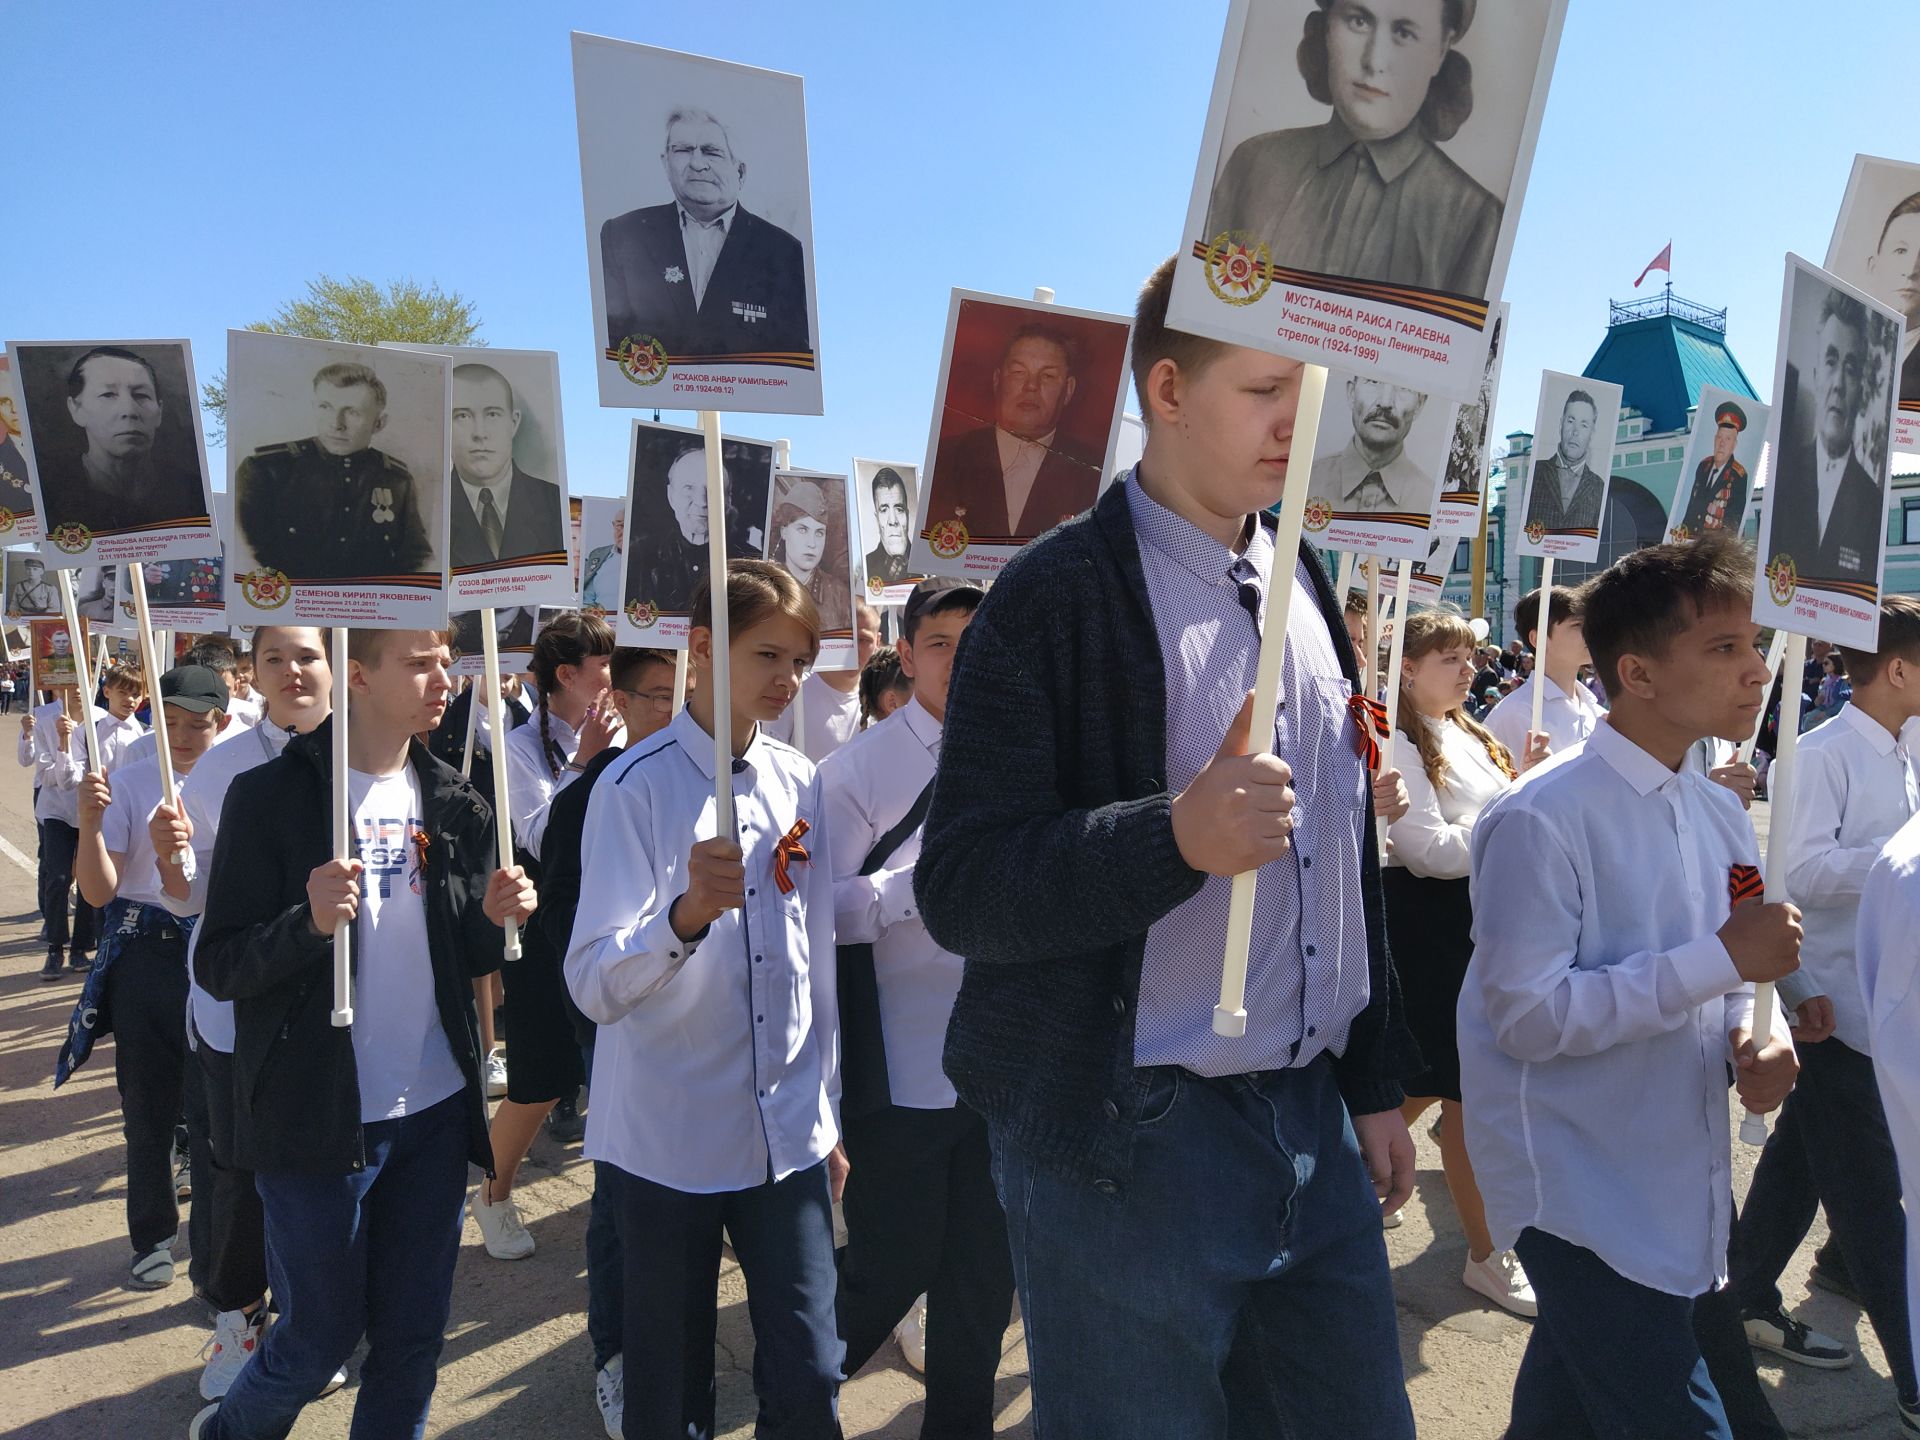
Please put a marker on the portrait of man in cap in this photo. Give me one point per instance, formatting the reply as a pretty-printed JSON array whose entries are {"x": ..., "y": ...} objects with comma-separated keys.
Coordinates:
[
  {"x": 702, "y": 273},
  {"x": 809, "y": 536},
  {"x": 1369, "y": 192},
  {"x": 29, "y": 591},
  {"x": 1718, "y": 499},
  {"x": 1373, "y": 474}
]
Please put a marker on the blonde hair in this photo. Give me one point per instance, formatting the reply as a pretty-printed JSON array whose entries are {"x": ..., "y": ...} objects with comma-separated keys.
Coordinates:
[{"x": 1428, "y": 631}]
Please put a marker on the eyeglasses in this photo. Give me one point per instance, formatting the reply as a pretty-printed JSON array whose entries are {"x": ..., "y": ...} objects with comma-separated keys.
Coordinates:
[{"x": 659, "y": 699}]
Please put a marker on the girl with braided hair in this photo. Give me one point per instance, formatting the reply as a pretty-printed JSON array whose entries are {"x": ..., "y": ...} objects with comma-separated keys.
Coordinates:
[{"x": 575, "y": 721}]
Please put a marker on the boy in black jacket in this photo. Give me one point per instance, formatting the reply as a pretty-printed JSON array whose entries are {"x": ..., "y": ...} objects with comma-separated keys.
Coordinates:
[{"x": 360, "y": 1137}]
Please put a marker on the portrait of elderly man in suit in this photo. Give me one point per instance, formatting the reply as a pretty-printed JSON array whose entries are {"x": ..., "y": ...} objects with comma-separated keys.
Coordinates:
[
  {"x": 1828, "y": 510},
  {"x": 1369, "y": 192},
  {"x": 703, "y": 274},
  {"x": 500, "y": 513},
  {"x": 1016, "y": 477},
  {"x": 1567, "y": 492}
]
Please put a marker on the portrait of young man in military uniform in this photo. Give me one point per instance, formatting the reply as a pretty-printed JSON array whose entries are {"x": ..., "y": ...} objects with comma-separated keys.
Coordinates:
[{"x": 333, "y": 504}]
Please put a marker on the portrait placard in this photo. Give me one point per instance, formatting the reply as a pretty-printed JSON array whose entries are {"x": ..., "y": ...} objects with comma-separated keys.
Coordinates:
[
  {"x": 808, "y": 537},
  {"x": 666, "y": 525},
  {"x": 95, "y": 589},
  {"x": 338, "y": 458},
  {"x": 1577, "y": 425},
  {"x": 114, "y": 449},
  {"x": 32, "y": 592},
  {"x": 1876, "y": 249},
  {"x": 51, "y": 656},
  {"x": 699, "y": 231},
  {"x": 1026, "y": 417},
  {"x": 514, "y": 627},
  {"x": 1380, "y": 454},
  {"x": 1463, "y": 490},
  {"x": 507, "y": 499},
  {"x": 1717, "y": 476},
  {"x": 1822, "y": 542},
  {"x": 603, "y": 543},
  {"x": 19, "y": 521},
  {"x": 887, "y": 492},
  {"x": 181, "y": 594},
  {"x": 1360, "y": 181}
]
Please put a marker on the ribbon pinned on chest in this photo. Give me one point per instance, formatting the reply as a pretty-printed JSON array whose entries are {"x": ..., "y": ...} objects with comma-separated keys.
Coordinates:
[
  {"x": 786, "y": 852},
  {"x": 1743, "y": 883},
  {"x": 1369, "y": 728}
]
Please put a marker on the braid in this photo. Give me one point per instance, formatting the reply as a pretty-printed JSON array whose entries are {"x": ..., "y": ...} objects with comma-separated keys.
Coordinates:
[{"x": 546, "y": 743}]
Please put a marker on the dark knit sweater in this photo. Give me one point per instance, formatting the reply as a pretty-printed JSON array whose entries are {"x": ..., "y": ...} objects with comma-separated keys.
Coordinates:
[{"x": 1049, "y": 851}]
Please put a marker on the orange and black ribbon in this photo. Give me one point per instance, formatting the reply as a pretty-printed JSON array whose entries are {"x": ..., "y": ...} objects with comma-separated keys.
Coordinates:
[
  {"x": 1743, "y": 883},
  {"x": 788, "y": 850},
  {"x": 1369, "y": 728}
]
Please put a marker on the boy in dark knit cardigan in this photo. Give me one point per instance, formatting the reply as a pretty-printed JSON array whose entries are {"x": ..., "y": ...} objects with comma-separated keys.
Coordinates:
[{"x": 1195, "y": 1221}]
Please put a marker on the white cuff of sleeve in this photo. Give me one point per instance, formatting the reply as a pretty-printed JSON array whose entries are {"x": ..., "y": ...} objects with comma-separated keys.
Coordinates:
[
  {"x": 894, "y": 889},
  {"x": 1700, "y": 970},
  {"x": 657, "y": 938}
]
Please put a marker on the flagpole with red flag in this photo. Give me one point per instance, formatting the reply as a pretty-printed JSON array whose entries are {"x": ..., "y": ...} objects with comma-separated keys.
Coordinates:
[{"x": 1662, "y": 261}]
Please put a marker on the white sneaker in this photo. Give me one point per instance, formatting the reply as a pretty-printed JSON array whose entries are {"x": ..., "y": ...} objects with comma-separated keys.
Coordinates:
[
  {"x": 153, "y": 1270},
  {"x": 912, "y": 1335},
  {"x": 1500, "y": 1278},
  {"x": 610, "y": 1390},
  {"x": 1395, "y": 1220},
  {"x": 339, "y": 1379},
  {"x": 236, "y": 1334},
  {"x": 501, "y": 1228},
  {"x": 197, "y": 1426},
  {"x": 496, "y": 1075}
]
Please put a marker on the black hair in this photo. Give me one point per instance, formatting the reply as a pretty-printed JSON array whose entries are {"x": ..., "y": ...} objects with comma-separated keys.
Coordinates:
[
  {"x": 568, "y": 639},
  {"x": 77, "y": 376},
  {"x": 949, "y": 602}
]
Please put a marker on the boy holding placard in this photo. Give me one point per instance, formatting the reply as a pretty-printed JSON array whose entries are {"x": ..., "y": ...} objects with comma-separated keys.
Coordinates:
[
  {"x": 1568, "y": 712},
  {"x": 1595, "y": 1037},
  {"x": 1194, "y": 1220},
  {"x": 1855, "y": 786}
]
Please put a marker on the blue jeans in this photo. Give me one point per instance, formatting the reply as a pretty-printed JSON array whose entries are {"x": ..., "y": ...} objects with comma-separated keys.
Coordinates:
[
  {"x": 1235, "y": 1286},
  {"x": 365, "y": 1253},
  {"x": 606, "y": 1296},
  {"x": 782, "y": 1234},
  {"x": 1608, "y": 1359}
]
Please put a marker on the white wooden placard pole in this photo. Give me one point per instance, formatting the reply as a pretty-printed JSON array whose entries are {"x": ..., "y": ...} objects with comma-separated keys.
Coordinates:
[
  {"x": 679, "y": 680},
  {"x": 1542, "y": 623},
  {"x": 1230, "y": 1015},
  {"x": 1774, "y": 653},
  {"x": 1773, "y": 865},
  {"x": 149, "y": 662},
  {"x": 82, "y": 673},
  {"x": 473, "y": 726},
  {"x": 1345, "y": 583},
  {"x": 343, "y": 846},
  {"x": 782, "y": 460},
  {"x": 497, "y": 723},
  {"x": 717, "y": 588},
  {"x": 1402, "y": 602}
]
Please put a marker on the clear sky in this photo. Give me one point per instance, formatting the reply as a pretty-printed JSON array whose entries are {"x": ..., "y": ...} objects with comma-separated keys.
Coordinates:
[{"x": 176, "y": 169}]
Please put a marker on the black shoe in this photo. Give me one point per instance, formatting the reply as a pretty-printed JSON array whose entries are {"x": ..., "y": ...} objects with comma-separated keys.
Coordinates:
[
  {"x": 565, "y": 1123},
  {"x": 54, "y": 967},
  {"x": 80, "y": 962},
  {"x": 1790, "y": 1339},
  {"x": 1838, "y": 1282}
]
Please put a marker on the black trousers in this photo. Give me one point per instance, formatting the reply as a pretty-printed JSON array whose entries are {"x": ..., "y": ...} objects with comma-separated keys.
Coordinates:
[
  {"x": 1831, "y": 1146},
  {"x": 922, "y": 1218},
  {"x": 147, "y": 997},
  {"x": 1723, "y": 1345},
  {"x": 225, "y": 1227},
  {"x": 58, "y": 843}
]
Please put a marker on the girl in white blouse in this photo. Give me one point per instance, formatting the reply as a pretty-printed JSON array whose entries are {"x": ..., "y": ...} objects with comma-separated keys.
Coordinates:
[{"x": 1461, "y": 769}]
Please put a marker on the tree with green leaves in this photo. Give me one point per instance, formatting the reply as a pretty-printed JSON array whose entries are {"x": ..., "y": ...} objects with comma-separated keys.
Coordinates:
[{"x": 359, "y": 312}]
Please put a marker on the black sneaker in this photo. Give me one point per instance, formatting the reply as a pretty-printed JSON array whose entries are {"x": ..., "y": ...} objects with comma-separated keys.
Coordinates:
[
  {"x": 80, "y": 961},
  {"x": 1834, "y": 1281},
  {"x": 565, "y": 1123},
  {"x": 1909, "y": 1417},
  {"x": 1780, "y": 1333},
  {"x": 55, "y": 966}
]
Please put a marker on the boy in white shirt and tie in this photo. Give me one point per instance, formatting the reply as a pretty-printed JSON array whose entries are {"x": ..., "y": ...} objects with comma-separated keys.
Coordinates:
[{"x": 1596, "y": 1024}]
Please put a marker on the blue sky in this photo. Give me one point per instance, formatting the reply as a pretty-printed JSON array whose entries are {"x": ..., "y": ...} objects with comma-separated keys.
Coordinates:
[{"x": 177, "y": 169}]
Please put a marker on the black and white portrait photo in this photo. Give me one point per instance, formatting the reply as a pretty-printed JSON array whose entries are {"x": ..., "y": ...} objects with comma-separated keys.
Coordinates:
[
  {"x": 807, "y": 535},
  {"x": 19, "y": 521},
  {"x": 507, "y": 501},
  {"x": 1573, "y": 445},
  {"x": 1462, "y": 487},
  {"x": 1381, "y": 448},
  {"x": 1876, "y": 248},
  {"x": 884, "y": 494},
  {"x": 603, "y": 544},
  {"x": 340, "y": 462},
  {"x": 1824, "y": 520},
  {"x": 513, "y": 633},
  {"x": 113, "y": 433},
  {"x": 1374, "y": 149},
  {"x": 32, "y": 593},
  {"x": 1717, "y": 472},
  {"x": 95, "y": 588},
  {"x": 1029, "y": 403},
  {"x": 667, "y": 521},
  {"x": 699, "y": 227}
]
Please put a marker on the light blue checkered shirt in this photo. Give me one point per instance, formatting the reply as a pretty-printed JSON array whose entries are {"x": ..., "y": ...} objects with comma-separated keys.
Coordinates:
[{"x": 1307, "y": 971}]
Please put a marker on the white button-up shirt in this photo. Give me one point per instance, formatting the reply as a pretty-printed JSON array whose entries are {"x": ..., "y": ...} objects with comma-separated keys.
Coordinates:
[
  {"x": 1596, "y": 1012},
  {"x": 533, "y": 778},
  {"x": 831, "y": 718},
  {"x": 123, "y": 829},
  {"x": 1020, "y": 462},
  {"x": 1435, "y": 837},
  {"x": 1566, "y": 718},
  {"x": 704, "y": 240},
  {"x": 1853, "y": 787},
  {"x": 718, "y": 1060},
  {"x": 870, "y": 783},
  {"x": 1888, "y": 940}
]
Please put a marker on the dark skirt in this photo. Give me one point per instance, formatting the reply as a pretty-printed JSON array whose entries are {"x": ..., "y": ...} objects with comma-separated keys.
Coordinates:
[
  {"x": 543, "y": 1053},
  {"x": 1430, "y": 932}
]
